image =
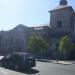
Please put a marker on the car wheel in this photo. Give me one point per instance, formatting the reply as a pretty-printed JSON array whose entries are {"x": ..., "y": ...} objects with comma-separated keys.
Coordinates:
[
  {"x": 16, "y": 67},
  {"x": 1, "y": 64}
]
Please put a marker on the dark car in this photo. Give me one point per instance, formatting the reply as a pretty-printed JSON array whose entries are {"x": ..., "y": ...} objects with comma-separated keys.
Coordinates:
[{"x": 18, "y": 61}]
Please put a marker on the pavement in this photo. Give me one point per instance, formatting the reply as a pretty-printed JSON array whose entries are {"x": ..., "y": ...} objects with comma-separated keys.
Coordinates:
[
  {"x": 59, "y": 62},
  {"x": 43, "y": 68},
  {"x": 4, "y": 71},
  {"x": 54, "y": 69},
  {"x": 63, "y": 62}
]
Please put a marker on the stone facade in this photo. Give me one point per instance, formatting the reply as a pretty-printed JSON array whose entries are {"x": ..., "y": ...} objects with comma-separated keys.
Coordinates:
[
  {"x": 62, "y": 22},
  {"x": 62, "y": 18}
]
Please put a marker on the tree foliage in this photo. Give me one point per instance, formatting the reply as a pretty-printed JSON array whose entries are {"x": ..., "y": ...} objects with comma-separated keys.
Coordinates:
[
  {"x": 37, "y": 45},
  {"x": 66, "y": 46}
]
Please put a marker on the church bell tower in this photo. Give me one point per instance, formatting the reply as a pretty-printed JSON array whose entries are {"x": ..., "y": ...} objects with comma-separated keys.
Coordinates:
[
  {"x": 63, "y": 2},
  {"x": 61, "y": 17}
]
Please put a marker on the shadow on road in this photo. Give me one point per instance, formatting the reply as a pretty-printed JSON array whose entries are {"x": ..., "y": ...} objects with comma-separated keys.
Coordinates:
[{"x": 31, "y": 71}]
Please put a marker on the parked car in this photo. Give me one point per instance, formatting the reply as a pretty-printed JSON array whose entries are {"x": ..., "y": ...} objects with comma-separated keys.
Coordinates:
[{"x": 18, "y": 61}]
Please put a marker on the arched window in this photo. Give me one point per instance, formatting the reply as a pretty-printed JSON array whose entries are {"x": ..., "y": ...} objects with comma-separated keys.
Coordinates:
[{"x": 59, "y": 24}]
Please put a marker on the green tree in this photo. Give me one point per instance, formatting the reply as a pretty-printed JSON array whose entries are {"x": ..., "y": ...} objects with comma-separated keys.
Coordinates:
[
  {"x": 38, "y": 46},
  {"x": 65, "y": 46}
]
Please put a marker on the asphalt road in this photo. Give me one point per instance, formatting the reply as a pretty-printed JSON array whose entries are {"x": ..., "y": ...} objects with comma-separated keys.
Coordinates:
[{"x": 43, "y": 68}]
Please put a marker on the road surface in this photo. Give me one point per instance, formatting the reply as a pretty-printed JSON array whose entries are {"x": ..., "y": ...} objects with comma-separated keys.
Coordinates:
[{"x": 44, "y": 68}]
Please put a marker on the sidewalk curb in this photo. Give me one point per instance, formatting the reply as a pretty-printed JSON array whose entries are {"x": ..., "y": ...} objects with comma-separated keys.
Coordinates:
[
  {"x": 59, "y": 62},
  {"x": 63, "y": 63}
]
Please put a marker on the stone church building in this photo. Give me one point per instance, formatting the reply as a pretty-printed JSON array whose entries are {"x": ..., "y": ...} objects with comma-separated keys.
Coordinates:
[
  {"x": 62, "y": 22},
  {"x": 62, "y": 18}
]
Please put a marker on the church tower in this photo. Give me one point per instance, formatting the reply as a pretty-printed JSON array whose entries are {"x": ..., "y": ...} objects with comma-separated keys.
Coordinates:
[{"x": 62, "y": 17}]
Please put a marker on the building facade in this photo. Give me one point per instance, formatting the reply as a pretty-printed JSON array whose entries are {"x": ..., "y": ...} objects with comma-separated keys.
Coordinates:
[
  {"x": 62, "y": 22},
  {"x": 62, "y": 18}
]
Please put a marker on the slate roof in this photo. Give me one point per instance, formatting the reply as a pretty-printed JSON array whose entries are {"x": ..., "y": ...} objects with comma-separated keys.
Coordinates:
[{"x": 62, "y": 7}]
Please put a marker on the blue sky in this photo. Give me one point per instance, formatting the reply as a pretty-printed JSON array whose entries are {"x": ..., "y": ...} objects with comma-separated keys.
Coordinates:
[{"x": 27, "y": 12}]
